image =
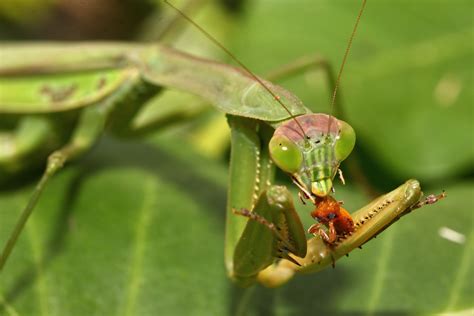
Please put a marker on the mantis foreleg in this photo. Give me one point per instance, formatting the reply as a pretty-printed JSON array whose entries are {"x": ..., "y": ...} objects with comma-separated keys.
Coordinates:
[
  {"x": 251, "y": 246},
  {"x": 245, "y": 166}
]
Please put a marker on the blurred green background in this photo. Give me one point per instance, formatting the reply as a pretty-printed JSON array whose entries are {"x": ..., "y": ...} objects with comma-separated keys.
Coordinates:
[{"x": 136, "y": 227}]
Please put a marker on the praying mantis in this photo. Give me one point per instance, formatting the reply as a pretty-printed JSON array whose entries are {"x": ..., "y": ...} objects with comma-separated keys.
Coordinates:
[{"x": 104, "y": 84}]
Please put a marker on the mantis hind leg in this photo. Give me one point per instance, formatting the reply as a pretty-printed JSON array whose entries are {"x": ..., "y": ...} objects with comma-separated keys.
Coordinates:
[
  {"x": 91, "y": 123},
  {"x": 90, "y": 126}
]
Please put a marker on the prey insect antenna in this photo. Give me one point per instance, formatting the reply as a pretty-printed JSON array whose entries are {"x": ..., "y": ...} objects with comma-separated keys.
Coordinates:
[
  {"x": 344, "y": 59},
  {"x": 234, "y": 58}
]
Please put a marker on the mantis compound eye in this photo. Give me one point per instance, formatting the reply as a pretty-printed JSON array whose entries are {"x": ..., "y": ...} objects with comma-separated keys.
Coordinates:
[
  {"x": 285, "y": 153},
  {"x": 345, "y": 142}
]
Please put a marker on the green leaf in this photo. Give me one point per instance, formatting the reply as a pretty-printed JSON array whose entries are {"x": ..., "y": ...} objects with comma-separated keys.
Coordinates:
[
  {"x": 134, "y": 229},
  {"x": 121, "y": 233}
]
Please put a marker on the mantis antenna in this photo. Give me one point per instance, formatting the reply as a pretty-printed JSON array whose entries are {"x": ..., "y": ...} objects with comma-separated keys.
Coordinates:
[
  {"x": 216, "y": 42},
  {"x": 339, "y": 75}
]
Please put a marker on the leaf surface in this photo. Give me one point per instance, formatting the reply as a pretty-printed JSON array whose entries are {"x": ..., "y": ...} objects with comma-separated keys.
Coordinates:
[{"x": 138, "y": 230}]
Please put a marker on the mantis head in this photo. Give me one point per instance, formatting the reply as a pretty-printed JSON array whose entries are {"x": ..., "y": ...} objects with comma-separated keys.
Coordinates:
[{"x": 313, "y": 158}]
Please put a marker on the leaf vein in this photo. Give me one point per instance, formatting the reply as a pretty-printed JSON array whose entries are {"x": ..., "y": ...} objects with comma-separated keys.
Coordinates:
[
  {"x": 41, "y": 288},
  {"x": 136, "y": 262},
  {"x": 381, "y": 271},
  {"x": 461, "y": 274}
]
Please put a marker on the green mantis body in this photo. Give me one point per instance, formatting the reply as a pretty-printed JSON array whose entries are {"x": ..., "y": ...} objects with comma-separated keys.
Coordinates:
[
  {"x": 121, "y": 73},
  {"x": 59, "y": 99},
  {"x": 118, "y": 79}
]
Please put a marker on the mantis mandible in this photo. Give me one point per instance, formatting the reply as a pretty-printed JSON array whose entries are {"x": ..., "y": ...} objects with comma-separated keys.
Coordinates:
[{"x": 70, "y": 94}]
